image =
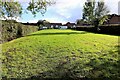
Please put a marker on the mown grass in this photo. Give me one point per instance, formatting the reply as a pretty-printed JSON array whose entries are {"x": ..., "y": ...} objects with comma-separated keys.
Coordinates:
[{"x": 61, "y": 54}]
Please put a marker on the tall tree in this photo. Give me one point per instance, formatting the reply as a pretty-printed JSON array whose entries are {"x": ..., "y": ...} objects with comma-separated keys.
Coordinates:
[
  {"x": 101, "y": 11},
  {"x": 94, "y": 12},
  {"x": 88, "y": 10}
]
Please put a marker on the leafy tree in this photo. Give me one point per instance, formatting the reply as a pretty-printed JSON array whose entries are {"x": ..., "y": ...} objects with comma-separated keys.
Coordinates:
[
  {"x": 13, "y": 9},
  {"x": 42, "y": 23},
  {"x": 36, "y": 6},
  {"x": 46, "y": 23},
  {"x": 94, "y": 12},
  {"x": 10, "y": 9}
]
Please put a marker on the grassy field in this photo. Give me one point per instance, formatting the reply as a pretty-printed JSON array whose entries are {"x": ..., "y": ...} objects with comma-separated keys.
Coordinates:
[{"x": 61, "y": 54}]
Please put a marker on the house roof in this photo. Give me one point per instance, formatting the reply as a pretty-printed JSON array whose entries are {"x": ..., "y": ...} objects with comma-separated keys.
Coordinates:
[
  {"x": 30, "y": 23},
  {"x": 113, "y": 19},
  {"x": 70, "y": 23},
  {"x": 56, "y": 23}
]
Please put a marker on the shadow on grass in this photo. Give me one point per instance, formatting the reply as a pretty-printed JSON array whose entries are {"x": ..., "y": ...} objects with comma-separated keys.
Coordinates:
[
  {"x": 102, "y": 69},
  {"x": 97, "y": 73},
  {"x": 58, "y": 33}
]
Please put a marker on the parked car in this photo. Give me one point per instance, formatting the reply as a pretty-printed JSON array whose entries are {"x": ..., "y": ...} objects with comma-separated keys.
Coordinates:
[{"x": 63, "y": 27}]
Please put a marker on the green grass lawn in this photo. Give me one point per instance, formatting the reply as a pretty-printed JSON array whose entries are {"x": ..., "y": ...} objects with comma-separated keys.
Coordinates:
[{"x": 61, "y": 54}]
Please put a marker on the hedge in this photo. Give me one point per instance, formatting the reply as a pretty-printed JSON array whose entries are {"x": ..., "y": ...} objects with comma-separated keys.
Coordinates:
[
  {"x": 104, "y": 29},
  {"x": 11, "y": 30},
  {"x": 111, "y": 29}
]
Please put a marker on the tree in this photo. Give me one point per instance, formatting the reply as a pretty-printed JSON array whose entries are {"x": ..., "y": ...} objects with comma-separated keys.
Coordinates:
[
  {"x": 10, "y": 9},
  {"x": 88, "y": 10},
  {"x": 94, "y": 12},
  {"x": 36, "y": 6},
  {"x": 101, "y": 11},
  {"x": 13, "y": 9},
  {"x": 42, "y": 23},
  {"x": 79, "y": 21}
]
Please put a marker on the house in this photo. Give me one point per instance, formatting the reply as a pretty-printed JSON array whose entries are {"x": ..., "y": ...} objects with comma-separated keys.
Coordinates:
[
  {"x": 70, "y": 25},
  {"x": 55, "y": 25},
  {"x": 113, "y": 19}
]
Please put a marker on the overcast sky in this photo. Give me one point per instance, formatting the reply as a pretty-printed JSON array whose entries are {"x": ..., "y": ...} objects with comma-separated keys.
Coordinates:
[{"x": 65, "y": 11}]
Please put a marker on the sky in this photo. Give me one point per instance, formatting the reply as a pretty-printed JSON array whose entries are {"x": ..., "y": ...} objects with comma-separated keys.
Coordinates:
[{"x": 63, "y": 11}]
